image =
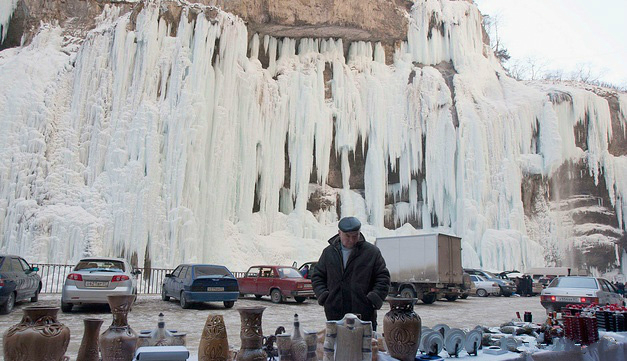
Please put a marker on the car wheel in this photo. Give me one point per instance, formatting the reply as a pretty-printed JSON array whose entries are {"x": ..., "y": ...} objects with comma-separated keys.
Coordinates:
[
  {"x": 7, "y": 307},
  {"x": 276, "y": 296},
  {"x": 258, "y": 297},
  {"x": 35, "y": 298},
  {"x": 164, "y": 295},
  {"x": 482, "y": 293},
  {"x": 428, "y": 298},
  {"x": 408, "y": 292},
  {"x": 183, "y": 300},
  {"x": 66, "y": 307},
  {"x": 300, "y": 299},
  {"x": 450, "y": 298},
  {"x": 229, "y": 304}
]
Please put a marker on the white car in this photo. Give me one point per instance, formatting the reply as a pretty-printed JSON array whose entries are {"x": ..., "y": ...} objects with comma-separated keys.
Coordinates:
[
  {"x": 483, "y": 287},
  {"x": 95, "y": 278},
  {"x": 567, "y": 290}
]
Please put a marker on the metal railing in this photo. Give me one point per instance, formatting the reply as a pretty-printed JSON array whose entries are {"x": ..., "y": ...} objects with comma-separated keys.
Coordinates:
[{"x": 148, "y": 282}]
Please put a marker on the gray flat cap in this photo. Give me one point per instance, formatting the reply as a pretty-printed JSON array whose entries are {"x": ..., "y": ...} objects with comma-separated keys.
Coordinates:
[{"x": 349, "y": 224}]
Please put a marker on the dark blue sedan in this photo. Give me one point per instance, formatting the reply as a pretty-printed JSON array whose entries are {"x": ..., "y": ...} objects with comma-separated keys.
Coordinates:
[
  {"x": 18, "y": 281},
  {"x": 200, "y": 283}
]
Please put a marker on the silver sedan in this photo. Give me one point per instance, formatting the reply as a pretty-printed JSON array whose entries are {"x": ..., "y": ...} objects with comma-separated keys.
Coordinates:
[
  {"x": 563, "y": 291},
  {"x": 93, "y": 279}
]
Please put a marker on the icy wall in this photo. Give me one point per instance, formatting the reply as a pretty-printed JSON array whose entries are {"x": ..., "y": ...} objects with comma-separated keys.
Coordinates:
[
  {"x": 6, "y": 11},
  {"x": 193, "y": 140}
]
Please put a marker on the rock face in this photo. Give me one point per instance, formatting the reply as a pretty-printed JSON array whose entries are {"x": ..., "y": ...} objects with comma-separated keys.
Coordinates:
[{"x": 168, "y": 132}]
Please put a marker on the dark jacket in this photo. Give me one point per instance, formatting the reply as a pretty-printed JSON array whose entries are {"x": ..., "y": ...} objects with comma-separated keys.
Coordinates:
[{"x": 360, "y": 288}]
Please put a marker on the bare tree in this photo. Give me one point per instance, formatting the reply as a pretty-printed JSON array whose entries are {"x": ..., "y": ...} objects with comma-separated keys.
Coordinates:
[{"x": 492, "y": 23}]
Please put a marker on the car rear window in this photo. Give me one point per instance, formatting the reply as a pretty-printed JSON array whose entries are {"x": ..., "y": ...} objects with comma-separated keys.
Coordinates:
[
  {"x": 570, "y": 282},
  {"x": 100, "y": 265},
  {"x": 289, "y": 273},
  {"x": 211, "y": 271}
]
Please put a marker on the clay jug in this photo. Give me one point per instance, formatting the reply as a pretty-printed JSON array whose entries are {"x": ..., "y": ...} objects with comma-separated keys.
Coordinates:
[
  {"x": 214, "y": 343},
  {"x": 298, "y": 347},
  {"x": 251, "y": 335},
  {"x": 118, "y": 342},
  {"x": 89, "y": 350},
  {"x": 39, "y": 336},
  {"x": 401, "y": 329}
]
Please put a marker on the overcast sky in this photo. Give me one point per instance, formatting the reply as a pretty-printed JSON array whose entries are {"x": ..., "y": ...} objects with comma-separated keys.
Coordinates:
[{"x": 566, "y": 33}]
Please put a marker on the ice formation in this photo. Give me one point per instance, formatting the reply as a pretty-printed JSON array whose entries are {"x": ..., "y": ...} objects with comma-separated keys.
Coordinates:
[
  {"x": 6, "y": 12},
  {"x": 173, "y": 148}
]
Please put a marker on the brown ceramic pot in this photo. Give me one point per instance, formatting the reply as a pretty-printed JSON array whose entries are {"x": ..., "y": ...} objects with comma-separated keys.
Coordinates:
[
  {"x": 39, "y": 336},
  {"x": 214, "y": 344},
  {"x": 89, "y": 350},
  {"x": 251, "y": 335},
  {"x": 401, "y": 329},
  {"x": 118, "y": 342}
]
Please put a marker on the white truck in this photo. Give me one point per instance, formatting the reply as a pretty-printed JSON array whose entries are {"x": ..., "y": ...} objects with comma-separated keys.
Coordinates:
[{"x": 424, "y": 266}]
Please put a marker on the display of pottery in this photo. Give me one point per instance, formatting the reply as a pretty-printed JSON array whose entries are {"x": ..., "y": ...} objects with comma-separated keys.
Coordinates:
[
  {"x": 38, "y": 336},
  {"x": 119, "y": 341},
  {"x": 89, "y": 349},
  {"x": 348, "y": 339},
  {"x": 161, "y": 336},
  {"x": 214, "y": 343},
  {"x": 402, "y": 328},
  {"x": 454, "y": 341},
  {"x": 251, "y": 335}
]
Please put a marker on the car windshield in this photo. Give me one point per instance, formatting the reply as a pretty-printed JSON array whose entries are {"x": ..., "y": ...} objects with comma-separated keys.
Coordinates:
[
  {"x": 289, "y": 273},
  {"x": 574, "y": 282},
  {"x": 100, "y": 265},
  {"x": 211, "y": 271}
]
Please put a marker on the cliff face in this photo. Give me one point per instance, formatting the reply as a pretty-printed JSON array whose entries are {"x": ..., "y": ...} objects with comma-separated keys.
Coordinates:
[{"x": 167, "y": 132}]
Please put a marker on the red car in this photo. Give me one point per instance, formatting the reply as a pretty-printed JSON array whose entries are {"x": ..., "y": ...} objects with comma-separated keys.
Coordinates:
[{"x": 280, "y": 282}]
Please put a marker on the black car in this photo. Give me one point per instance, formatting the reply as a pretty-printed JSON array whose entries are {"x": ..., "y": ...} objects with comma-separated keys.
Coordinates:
[{"x": 18, "y": 281}]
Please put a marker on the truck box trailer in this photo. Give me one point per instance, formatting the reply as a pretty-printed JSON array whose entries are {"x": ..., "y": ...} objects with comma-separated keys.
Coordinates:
[{"x": 425, "y": 266}]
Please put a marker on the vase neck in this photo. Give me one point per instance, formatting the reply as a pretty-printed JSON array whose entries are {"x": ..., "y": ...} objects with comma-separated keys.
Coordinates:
[{"x": 120, "y": 319}]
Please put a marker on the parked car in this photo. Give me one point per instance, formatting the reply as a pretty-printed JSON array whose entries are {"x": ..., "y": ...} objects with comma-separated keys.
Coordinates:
[
  {"x": 567, "y": 290},
  {"x": 483, "y": 287},
  {"x": 18, "y": 281},
  {"x": 95, "y": 278},
  {"x": 506, "y": 287},
  {"x": 515, "y": 276},
  {"x": 280, "y": 282},
  {"x": 191, "y": 283}
]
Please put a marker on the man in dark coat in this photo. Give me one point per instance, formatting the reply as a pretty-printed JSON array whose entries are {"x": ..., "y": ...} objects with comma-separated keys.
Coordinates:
[{"x": 350, "y": 276}]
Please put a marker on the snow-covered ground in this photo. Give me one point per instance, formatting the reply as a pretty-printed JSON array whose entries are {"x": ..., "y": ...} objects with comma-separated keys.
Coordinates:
[{"x": 491, "y": 311}]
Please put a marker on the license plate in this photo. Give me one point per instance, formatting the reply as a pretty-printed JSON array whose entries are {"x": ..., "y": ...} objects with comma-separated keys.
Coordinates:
[
  {"x": 96, "y": 283},
  {"x": 568, "y": 299},
  {"x": 215, "y": 289}
]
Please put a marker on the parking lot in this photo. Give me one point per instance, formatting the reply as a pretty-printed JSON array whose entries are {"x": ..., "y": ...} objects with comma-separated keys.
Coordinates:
[{"x": 490, "y": 311}]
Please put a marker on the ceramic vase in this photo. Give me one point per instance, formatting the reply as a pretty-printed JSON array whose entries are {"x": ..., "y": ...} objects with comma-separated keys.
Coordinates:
[
  {"x": 401, "y": 329},
  {"x": 284, "y": 344},
  {"x": 251, "y": 335},
  {"x": 39, "y": 336},
  {"x": 89, "y": 350},
  {"x": 311, "y": 338},
  {"x": 118, "y": 342},
  {"x": 214, "y": 344}
]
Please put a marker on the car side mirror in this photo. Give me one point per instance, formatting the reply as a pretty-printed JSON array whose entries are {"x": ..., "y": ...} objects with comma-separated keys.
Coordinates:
[{"x": 168, "y": 275}]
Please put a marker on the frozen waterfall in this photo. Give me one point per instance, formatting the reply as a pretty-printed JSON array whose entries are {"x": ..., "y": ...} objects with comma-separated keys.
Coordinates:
[{"x": 190, "y": 147}]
